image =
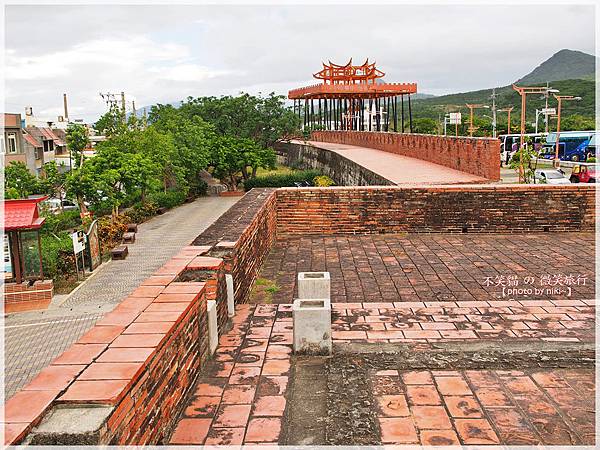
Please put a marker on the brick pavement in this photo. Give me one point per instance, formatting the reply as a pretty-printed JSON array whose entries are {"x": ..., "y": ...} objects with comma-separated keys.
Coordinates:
[
  {"x": 34, "y": 339},
  {"x": 242, "y": 395},
  {"x": 434, "y": 267}
]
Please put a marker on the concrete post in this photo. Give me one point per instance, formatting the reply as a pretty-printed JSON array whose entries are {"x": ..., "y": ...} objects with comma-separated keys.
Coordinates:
[
  {"x": 314, "y": 285},
  {"x": 230, "y": 295},
  {"x": 312, "y": 326},
  {"x": 213, "y": 326}
]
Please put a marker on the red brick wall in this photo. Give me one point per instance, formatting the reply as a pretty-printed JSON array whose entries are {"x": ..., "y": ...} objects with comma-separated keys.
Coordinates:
[
  {"x": 477, "y": 208},
  {"x": 478, "y": 156},
  {"x": 141, "y": 359},
  {"x": 23, "y": 297}
]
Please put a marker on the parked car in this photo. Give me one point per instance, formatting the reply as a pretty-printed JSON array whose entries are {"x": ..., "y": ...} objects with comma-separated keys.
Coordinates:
[
  {"x": 551, "y": 176},
  {"x": 54, "y": 205},
  {"x": 583, "y": 174}
]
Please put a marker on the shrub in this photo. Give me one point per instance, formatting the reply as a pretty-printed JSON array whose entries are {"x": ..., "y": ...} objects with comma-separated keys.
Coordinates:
[
  {"x": 57, "y": 255},
  {"x": 65, "y": 220},
  {"x": 198, "y": 188},
  {"x": 591, "y": 159},
  {"x": 323, "y": 181},
  {"x": 110, "y": 233},
  {"x": 141, "y": 211},
  {"x": 169, "y": 199},
  {"x": 283, "y": 180}
]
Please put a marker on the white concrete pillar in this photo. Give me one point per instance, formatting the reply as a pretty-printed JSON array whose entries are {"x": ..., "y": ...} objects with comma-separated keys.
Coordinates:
[
  {"x": 312, "y": 326},
  {"x": 213, "y": 326},
  {"x": 230, "y": 295},
  {"x": 313, "y": 285}
]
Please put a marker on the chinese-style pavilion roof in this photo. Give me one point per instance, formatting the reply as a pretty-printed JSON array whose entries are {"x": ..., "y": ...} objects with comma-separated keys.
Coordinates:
[
  {"x": 22, "y": 214},
  {"x": 349, "y": 81}
]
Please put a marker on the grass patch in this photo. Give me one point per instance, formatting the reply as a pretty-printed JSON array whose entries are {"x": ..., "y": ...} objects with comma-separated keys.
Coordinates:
[{"x": 263, "y": 290}]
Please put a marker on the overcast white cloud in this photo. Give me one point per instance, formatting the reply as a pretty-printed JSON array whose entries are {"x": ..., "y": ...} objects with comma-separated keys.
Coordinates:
[{"x": 166, "y": 53}]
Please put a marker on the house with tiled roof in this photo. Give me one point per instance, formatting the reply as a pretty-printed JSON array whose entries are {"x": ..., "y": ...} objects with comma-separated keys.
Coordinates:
[{"x": 46, "y": 145}]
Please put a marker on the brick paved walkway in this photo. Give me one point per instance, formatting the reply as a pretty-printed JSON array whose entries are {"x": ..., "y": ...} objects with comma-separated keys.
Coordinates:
[
  {"x": 399, "y": 169},
  {"x": 33, "y": 340},
  {"x": 244, "y": 396}
]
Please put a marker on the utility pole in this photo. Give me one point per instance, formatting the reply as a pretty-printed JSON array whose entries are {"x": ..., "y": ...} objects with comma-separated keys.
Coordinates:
[
  {"x": 133, "y": 107},
  {"x": 560, "y": 99},
  {"x": 493, "y": 97},
  {"x": 66, "y": 109}
]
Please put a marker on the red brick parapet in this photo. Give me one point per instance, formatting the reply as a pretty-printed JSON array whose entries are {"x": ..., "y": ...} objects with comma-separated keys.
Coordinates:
[
  {"x": 449, "y": 208},
  {"x": 24, "y": 297},
  {"x": 477, "y": 156}
]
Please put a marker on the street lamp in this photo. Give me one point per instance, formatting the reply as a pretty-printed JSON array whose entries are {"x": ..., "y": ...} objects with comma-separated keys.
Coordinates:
[
  {"x": 523, "y": 91},
  {"x": 560, "y": 98},
  {"x": 549, "y": 91},
  {"x": 471, "y": 108},
  {"x": 507, "y": 110}
]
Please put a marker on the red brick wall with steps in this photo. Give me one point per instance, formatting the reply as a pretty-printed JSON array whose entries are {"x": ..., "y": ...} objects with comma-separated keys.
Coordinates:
[
  {"x": 479, "y": 156},
  {"x": 476, "y": 208},
  {"x": 20, "y": 297}
]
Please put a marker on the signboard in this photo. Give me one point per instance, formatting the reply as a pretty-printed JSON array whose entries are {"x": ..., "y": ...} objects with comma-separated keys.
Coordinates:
[
  {"x": 455, "y": 118},
  {"x": 93, "y": 248},
  {"x": 78, "y": 241},
  {"x": 549, "y": 111}
]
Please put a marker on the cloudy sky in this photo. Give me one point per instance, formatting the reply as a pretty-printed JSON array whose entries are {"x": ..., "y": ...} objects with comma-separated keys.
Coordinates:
[{"x": 159, "y": 54}]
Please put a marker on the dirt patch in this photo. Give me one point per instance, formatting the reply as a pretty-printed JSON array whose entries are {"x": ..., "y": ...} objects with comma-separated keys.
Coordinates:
[
  {"x": 195, "y": 275},
  {"x": 263, "y": 291}
]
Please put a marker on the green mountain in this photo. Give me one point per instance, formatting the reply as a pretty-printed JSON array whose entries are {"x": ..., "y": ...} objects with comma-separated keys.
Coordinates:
[
  {"x": 563, "y": 65},
  {"x": 577, "y": 67}
]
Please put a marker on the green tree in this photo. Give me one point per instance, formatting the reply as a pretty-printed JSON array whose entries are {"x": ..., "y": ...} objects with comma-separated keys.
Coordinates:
[
  {"x": 53, "y": 181},
  {"x": 19, "y": 182},
  {"x": 112, "y": 122},
  {"x": 425, "y": 126},
  {"x": 577, "y": 122},
  {"x": 77, "y": 141}
]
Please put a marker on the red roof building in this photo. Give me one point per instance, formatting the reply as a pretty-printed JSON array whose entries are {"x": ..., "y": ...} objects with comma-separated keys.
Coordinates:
[{"x": 22, "y": 214}]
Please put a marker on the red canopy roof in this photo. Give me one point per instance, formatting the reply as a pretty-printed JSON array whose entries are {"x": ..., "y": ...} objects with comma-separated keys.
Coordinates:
[{"x": 22, "y": 214}]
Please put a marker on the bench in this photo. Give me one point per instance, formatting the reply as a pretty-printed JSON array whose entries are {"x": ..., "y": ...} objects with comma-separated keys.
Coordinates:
[
  {"x": 128, "y": 238},
  {"x": 119, "y": 252}
]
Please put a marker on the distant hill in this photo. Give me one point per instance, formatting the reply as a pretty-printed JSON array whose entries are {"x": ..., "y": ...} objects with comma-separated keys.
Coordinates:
[{"x": 563, "y": 65}]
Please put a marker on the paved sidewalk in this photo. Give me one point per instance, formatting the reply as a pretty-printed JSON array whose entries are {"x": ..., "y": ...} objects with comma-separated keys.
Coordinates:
[{"x": 33, "y": 340}]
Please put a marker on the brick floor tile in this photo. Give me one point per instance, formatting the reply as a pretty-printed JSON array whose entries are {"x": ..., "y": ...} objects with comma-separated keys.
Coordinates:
[
  {"x": 101, "y": 334},
  {"x": 225, "y": 436},
  {"x": 149, "y": 328},
  {"x": 463, "y": 406},
  {"x": 549, "y": 379},
  {"x": 392, "y": 405},
  {"x": 276, "y": 367},
  {"x": 475, "y": 431},
  {"x": 79, "y": 354},
  {"x": 231, "y": 416},
  {"x": 275, "y": 351},
  {"x": 191, "y": 431},
  {"x": 262, "y": 430},
  {"x": 521, "y": 385},
  {"x": 430, "y": 417},
  {"x": 272, "y": 385},
  {"x": 126, "y": 355},
  {"x": 14, "y": 432},
  {"x": 397, "y": 430},
  {"x": 138, "y": 340},
  {"x": 417, "y": 377},
  {"x": 439, "y": 437},
  {"x": 239, "y": 394},
  {"x": 244, "y": 375},
  {"x": 202, "y": 407},
  {"x": 111, "y": 371},
  {"x": 452, "y": 386},
  {"x": 423, "y": 395},
  {"x": 54, "y": 378},
  {"x": 96, "y": 391},
  {"x": 492, "y": 397},
  {"x": 26, "y": 406},
  {"x": 210, "y": 387},
  {"x": 512, "y": 427},
  {"x": 269, "y": 406}
]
